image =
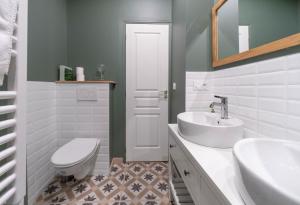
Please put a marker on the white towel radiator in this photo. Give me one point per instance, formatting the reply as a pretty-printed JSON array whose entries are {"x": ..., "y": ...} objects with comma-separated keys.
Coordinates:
[{"x": 13, "y": 118}]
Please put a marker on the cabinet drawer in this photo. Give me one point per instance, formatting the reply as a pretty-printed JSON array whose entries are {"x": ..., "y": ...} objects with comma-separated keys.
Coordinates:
[
  {"x": 187, "y": 171},
  {"x": 196, "y": 185},
  {"x": 192, "y": 179},
  {"x": 172, "y": 147}
]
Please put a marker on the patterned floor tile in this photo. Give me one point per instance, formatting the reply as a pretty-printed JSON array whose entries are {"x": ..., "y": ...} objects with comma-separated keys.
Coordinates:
[
  {"x": 137, "y": 169},
  {"x": 133, "y": 183},
  {"x": 108, "y": 187},
  {"x": 90, "y": 199},
  {"x": 120, "y": 196},
  {"x": 123, "y": 177},
  {"x": 158, "y": 168},
  {"x": 147, "y": 164},
  {"x": 162, "y": 187},
  {"x": 136, "y": 187},
  {"x": 128, "y": 177},
  {"x": 148, "y": 177},
  {"x": 81, "y": 188},
  {"x": 150, "y": 202},
  {"x": 120, "y": 203},
  {"x": 150, "y": 196},
  {"x": 115, "y": 169},
  {"x": 98, "y": 179},
  {"x": 52, "y": 189},
  {"x": 60, "y": 199}
]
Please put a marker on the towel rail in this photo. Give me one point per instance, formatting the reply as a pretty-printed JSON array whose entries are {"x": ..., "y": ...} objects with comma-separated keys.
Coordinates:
[
  {"x": 7, "y": 95},
  {"x": 7, "y": 167},
  {"x": 7, "y": 195},
  {"x": 7, "y": 181},
  {"x": 7, "y": 109},
  {"x": 7, "y": 152},
  {"x": 13, "y": 103},
  {"x": 7, "y": 123},
  {"x": 7, "y": 138}
]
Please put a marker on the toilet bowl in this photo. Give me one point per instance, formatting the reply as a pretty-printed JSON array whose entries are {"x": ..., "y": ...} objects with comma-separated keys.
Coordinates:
[{"x": 76, "y": 158}]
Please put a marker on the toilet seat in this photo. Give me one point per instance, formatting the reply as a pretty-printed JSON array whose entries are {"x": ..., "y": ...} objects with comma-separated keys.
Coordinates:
[{"x": 74, "y": 152}]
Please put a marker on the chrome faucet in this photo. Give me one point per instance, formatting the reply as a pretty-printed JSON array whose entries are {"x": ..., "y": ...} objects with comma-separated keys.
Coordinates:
[{"x": 223, "y": 104}]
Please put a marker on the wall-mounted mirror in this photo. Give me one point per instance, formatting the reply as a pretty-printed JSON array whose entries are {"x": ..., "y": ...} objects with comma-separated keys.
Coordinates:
[{"x": 243, "y": 29}]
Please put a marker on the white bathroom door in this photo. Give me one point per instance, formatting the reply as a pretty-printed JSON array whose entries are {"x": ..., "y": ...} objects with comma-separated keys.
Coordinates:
[{"x": 147, "y": 65}]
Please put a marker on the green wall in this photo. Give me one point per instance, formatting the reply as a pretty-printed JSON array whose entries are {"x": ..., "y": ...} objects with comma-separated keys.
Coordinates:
[
  {"x": 269, "y": 20},
  {"x": 190, "y": 46},
  {"x": 47, "y": 38},
  {"x": 191, "y": 38},
  {"x": 178, "y": 58},
  {"x": 96, "y": 34},
  {"x": 89, "y": 33}
]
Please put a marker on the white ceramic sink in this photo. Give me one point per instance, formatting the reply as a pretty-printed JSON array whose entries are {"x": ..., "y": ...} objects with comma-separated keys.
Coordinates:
[
  {"x": 209, "y": 129},
  {"x": 268, "y": 171}
]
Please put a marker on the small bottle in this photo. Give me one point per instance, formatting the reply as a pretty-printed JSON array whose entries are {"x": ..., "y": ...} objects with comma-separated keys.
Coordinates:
[{"x": 100, "y": 71}]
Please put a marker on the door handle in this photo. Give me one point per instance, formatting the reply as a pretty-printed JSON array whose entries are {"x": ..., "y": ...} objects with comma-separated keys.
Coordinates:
[{"x": 164, "y": 94}]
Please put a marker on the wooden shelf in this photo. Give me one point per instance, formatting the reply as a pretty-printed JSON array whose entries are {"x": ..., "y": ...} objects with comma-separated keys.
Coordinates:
[{"x": 87, "y": 82}]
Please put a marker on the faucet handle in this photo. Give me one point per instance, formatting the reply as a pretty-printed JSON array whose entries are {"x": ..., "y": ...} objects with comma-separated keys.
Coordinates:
[{"x": 223, "y": 99}]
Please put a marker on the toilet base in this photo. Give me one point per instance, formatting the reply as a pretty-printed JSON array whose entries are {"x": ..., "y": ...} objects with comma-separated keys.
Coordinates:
[{"x": 65, "y": 179}]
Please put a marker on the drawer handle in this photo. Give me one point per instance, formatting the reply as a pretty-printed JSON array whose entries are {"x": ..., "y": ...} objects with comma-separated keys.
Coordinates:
[
  {"x": 171, "y": 146},
  {"x": 186, "y": 173}
]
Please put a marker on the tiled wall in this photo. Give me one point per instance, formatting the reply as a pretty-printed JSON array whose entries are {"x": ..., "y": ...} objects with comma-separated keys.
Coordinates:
[
  {"x": 54, "y": 117},
  {"x": 41, "y": 136},
  {"x": 265, "y": 95},
  {"x": 199, "y": 91},
  {"x": 85, "y": 118}
]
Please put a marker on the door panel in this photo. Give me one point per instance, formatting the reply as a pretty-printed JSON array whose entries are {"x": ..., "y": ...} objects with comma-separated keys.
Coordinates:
[
  {"x": 147, "y": 64},
  {"x": 147, "y": 61},
  {"x": 147, "y": 102},
  {"x": 147, "y": 127}
]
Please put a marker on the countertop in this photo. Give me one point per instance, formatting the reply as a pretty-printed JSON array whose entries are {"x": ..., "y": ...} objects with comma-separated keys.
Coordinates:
[{"x": 218, "y": 164}]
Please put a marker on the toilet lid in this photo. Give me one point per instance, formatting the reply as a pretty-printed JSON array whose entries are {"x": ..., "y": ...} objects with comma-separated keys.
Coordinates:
[{"x": 74, "y": 152}]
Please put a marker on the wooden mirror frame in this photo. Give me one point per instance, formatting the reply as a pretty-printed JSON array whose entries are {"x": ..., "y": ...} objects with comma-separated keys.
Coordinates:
[{"x": 286, "y": 42}]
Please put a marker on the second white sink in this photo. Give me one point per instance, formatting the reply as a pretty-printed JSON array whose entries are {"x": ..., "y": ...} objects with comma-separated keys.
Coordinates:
[
  {"x": 268, "y": 171},
  {"x": 208, "y": 129}
]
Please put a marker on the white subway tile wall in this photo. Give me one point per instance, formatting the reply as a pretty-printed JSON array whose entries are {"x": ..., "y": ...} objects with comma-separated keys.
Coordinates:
[
  {"x": 198, "y": 91},
  {"x": 265, "y": 95},
  {"x": 84, "y": 118},
  {"x": 41, "y": 136},
  {"x": 54, "y": 117}
]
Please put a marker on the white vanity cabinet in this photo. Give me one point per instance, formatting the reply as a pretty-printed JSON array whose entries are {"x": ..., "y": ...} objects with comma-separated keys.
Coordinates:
[{"x": 183, "y": 168}]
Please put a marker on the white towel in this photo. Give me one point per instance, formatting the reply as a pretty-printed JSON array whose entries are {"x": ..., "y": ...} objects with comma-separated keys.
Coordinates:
[{"x": 8, "y": 13}]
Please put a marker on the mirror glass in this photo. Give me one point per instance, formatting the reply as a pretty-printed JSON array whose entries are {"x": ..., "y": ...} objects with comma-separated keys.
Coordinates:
[
  {"x": 247, "y": 24},
  {"x": 197, "y": 21}
]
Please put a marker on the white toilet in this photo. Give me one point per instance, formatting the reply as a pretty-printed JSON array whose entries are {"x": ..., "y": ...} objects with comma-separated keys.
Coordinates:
[{"x": 77, "y": 157}]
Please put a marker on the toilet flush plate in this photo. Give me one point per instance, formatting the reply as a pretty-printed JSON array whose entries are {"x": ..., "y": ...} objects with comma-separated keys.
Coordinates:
[{"x": 86, "y": 94}]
